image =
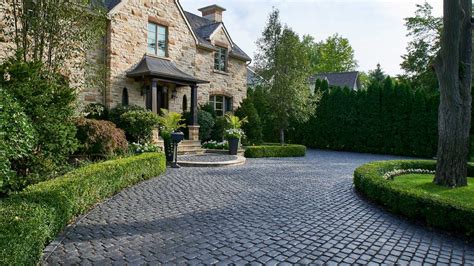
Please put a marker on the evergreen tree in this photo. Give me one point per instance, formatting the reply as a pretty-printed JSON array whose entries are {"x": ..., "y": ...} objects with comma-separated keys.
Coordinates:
[{"x": 377, "y": 76}]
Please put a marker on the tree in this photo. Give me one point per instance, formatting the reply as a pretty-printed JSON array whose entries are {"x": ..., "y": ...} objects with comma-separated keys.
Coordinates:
[
  {"x": 335, "y": 54},
  {"x": 377, "y": 76},
  {"x": 289, "y": 93},
  {"x": 57, "y": 32},
  {"x": 266, "y": 45},
  {"x": 425, "y": 31},
  {"x": 454, "y": 71}
]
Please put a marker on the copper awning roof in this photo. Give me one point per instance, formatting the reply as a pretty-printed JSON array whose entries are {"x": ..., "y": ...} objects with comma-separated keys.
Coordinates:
[{"x": 164, "y": 70}]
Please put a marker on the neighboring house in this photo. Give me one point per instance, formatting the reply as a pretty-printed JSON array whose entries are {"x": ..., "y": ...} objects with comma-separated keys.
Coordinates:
[
  {"x": 160, "y": 56},
  {"x": 341, "y": 79},
  {"x": 254, "y": 79}
]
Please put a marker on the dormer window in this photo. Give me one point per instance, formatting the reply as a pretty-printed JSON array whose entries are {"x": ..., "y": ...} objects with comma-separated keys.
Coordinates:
[
  {"x": 220, "y": 59},
  {"x": 157, "y": 39}
]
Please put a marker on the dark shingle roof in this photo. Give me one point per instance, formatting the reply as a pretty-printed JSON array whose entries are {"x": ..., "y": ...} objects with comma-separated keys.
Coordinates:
[
  {"x": 203, "y": 28},
  {"x": 161, "y": 68},
  {"x": 253, "y": 79},
  {"x": 342, "y": 79}
]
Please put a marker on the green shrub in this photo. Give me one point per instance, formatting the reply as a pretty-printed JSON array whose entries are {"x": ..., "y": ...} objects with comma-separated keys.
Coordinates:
[
  {"x": 438, "y": 212},
  {"x": 253, "y": 127},
  {"x": 206, "y": 123},
  {"x": 48, "y": 101},
  {"x": 115, "y": 113},
  {"x": 17, "y": 138},
  {"x": 139, "y": 125},
  {"x": 95, "y": 111},
  {"x": 217, "y": 133},
  {"x": 290, "y": 150},
  {"x": 99, "y": 137},
  {"x": 32, "y": 218}
]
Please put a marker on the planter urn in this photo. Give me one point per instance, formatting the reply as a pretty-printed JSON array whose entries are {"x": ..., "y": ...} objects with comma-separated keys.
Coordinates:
[{"x": 233, "y": 146}]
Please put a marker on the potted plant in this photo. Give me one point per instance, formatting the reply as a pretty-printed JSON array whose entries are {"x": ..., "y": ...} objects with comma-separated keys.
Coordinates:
[
  {"x": 233, "y": 132},
  {"x": 169, "y": 122}
]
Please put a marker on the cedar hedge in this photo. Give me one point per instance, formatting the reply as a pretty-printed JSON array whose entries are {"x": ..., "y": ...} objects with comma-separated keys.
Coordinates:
[
  {"x": 389, "y": 118},
  {"x": 291, "y": 150},
  {"x": 33, "y": 217},
  {"x": 441, "y": 213}
]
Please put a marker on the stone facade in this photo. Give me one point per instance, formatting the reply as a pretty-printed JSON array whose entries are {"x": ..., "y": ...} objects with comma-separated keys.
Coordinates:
[{"x": 127, "y": 43}]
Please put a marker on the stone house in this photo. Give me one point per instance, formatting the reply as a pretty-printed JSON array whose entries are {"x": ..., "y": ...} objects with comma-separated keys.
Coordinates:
[{"x": 160, "y": 56}]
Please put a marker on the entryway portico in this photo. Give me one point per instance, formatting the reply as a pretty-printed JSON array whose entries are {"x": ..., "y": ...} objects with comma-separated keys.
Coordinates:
[{"x": 160, "y": 77}]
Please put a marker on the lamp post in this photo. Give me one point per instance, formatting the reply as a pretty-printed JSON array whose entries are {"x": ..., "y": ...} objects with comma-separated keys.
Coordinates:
[{"x": 176, "y": 137}]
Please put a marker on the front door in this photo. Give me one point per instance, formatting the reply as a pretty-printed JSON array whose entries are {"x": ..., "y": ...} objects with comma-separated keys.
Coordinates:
[{"x": 161, "y": 98}]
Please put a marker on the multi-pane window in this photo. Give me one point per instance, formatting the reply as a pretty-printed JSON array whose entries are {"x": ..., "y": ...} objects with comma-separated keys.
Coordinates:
[
  {"x": 220, "y": 59},
  {"x": 221, "y": 104},
  {"x": 157, "y": 39}
]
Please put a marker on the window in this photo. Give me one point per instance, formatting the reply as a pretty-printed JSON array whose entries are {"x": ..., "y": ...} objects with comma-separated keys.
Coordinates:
[
  {"x": 157, "y": 39},
  {"x": 185, "y": 104},
  {"x": 221, "y": 104},
  {"x": 220, "y": 59},
  {"x": 124, "y": 97}
]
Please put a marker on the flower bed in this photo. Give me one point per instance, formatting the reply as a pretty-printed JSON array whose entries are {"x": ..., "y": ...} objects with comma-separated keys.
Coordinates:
[
  {"x": 427, "y": 202},
  {"x": 32, "y": 218},
  {"x": 275, "y": 151},
  {"x": 214, "y": 145}
]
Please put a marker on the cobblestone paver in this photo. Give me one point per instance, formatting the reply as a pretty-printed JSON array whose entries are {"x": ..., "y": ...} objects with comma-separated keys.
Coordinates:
[{"x": 268, "y": 211}]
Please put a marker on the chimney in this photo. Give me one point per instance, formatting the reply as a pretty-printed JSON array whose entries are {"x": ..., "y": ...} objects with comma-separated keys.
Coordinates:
[{"x": 213, "y": 12}]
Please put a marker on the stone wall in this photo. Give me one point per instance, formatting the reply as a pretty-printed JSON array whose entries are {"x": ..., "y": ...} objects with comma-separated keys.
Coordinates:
[{"x": 6, "y": 29}]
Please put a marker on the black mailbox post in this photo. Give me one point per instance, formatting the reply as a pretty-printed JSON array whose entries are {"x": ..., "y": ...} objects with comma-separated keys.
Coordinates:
[{"x": 176, "y": 137}]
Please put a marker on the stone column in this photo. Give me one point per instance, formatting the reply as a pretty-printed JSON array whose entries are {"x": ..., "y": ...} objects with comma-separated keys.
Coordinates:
[
  {"x": 154, "y": 96},
  {"x": 194, "y": 126}
]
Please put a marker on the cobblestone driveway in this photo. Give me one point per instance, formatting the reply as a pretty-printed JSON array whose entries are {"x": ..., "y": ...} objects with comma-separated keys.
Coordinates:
[{"x": 267, "y": 211}]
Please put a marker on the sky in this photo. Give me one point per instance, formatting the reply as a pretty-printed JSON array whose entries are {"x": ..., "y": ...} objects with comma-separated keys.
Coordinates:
[{"x": 375, "y": 28}]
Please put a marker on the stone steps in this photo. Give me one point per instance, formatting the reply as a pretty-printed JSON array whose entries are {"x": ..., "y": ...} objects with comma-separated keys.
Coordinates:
[{"x": 186, "y": 147}]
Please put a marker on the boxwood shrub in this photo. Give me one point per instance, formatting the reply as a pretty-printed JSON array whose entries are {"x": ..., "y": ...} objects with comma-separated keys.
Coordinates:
[
  {"x": 442, "y": 213},
  {"x": 275, "y": 151},
  {"x": 33, "y": 217}
]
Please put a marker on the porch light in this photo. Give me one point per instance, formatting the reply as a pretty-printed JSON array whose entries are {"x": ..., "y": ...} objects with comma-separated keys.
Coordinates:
[{"x": 174, "y": 94}]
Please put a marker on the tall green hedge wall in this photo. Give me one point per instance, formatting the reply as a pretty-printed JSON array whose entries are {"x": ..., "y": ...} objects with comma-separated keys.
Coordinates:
[{"x": 388, "y": 118}]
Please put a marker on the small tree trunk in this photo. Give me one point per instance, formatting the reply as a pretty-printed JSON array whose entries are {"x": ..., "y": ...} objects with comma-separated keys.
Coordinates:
[
  {"x": 282, "y": 136},
  {"x": 453, "y": 68}
]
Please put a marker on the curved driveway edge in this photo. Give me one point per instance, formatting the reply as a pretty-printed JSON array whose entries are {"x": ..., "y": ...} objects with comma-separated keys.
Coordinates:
[{"x": 268, "y": 211}]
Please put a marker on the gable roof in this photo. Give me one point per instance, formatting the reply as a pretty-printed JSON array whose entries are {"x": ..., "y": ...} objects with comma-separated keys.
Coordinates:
[
  {"x": 341, "y": 79},
  {"x": 202, "y": 29}
]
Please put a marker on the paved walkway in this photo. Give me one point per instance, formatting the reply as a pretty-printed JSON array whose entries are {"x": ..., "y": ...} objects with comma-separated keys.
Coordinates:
[{"x": 267, "y": 211}]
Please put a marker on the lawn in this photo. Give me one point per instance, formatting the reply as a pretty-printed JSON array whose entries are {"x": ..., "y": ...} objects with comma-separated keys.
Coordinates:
[{"x": 423, "y": 184}]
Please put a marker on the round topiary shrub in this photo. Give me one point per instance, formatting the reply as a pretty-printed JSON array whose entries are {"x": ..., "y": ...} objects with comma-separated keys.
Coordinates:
[
  {"x": 206, "y": 123},
  {"x": 139, "y": 125},
  {"x": 377, "y": 181},
  {"x": 99, "y": 137},
  {"x": 17, "y": 139}
]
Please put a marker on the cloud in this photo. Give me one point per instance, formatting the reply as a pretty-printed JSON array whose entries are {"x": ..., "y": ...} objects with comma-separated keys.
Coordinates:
[{"x": 375, "y": 28}]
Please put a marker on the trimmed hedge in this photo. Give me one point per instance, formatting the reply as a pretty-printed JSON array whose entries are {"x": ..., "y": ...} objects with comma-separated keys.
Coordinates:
[
  {"x": 291, "y": 150},
  {"x": 388, "y": 119},
  {"x": 442, "y": 213},
  {"x": 33, "y": 217}
]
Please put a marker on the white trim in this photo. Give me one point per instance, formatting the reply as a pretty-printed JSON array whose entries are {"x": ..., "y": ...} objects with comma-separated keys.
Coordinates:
[
  {"x": 222, "y": 26},
  {"x": 181, "y": 10}
]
